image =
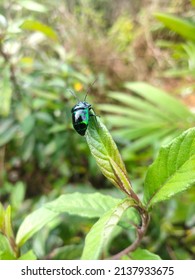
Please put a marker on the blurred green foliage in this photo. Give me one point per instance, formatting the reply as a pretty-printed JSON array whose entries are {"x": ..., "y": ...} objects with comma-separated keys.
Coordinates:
[{"x": 46, "y": 48}]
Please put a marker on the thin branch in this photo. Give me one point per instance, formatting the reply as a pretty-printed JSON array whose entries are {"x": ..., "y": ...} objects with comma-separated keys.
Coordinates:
[{"x": 140, "y": 234}]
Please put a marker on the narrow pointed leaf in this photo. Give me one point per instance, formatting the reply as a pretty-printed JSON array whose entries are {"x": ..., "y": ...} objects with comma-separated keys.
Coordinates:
[
  {"x": 101, "y": 231},
  {"x": 173, "y": 171},
  {"x": 150, "y": 114},
  {"x": 121, "y": 121},
  {"x": 145, "y": 140},
  {"x": 183, "y": 27},
  {"x": 118, "y": 109},
  {"x": 7, "y": 223},
  {"x": 161, "y": 99},
  {"x": 139, "y": 104},
  {"x": 106, "y": 154},
  {"x": 40, "y": 27}
]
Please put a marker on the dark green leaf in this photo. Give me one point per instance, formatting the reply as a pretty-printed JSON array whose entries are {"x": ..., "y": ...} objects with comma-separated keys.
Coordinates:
[{"x": 173, "y": 171}]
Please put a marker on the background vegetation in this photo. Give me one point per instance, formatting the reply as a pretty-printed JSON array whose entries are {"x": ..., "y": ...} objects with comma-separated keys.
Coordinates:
[{"x": 142, "y": 56}]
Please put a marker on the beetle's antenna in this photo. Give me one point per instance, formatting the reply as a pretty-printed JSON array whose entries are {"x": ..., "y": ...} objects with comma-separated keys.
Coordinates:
[
  {"x": 72, "y": 92},
  {"x": 90, "y": 86}
]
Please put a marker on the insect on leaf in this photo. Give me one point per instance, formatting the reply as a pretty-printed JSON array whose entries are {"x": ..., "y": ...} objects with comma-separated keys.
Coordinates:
[{"x": 106, "y": 154}]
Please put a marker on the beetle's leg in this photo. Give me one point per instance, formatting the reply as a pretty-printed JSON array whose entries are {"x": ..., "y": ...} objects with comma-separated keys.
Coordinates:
[{"x": 94, "y": 115}]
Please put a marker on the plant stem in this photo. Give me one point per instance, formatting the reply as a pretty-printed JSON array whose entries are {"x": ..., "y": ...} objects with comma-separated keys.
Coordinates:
[{"x": 140, "y": 234}]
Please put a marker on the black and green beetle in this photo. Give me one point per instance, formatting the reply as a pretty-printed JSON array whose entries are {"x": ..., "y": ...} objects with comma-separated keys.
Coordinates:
[{"x": 80, "y": 116}]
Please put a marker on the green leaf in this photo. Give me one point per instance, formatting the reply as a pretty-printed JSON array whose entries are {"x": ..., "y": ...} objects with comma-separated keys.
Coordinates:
[
  {"x": 2, "y": 214},
  {"x": 6, "y": 252},
  {"x": 116, "y": 109},
  {"x": 33, "y": 6},
  {"x": 8, "y": 134},
  {"x": 138, "y": 103},
  {"x": 46, "y": 95},
  {"x": 146, "y": 140},
  {"x": 183, "y": 27},
  {"x": 57, "y": 128},
  {"x": 40, "y": 27},
  {"x": 28, "y": 146},
  {"x": 5, "y": 124},
  {"x": 44, "y": 117},
  {"x": 106, "y": 154},
  {"x": 28, "y": 256},
  {"x": 101, "y": 231},
  {"x": 5, "y": 93},
  {"x": 3, "y": 22},
  {"x": 130, "y": 218},
  {"x": 28, "y": 124},
  {"x": 90, "y": 205},
  {"x": 68, "y": 252},
  {"x": 33, "y": 223},
  {"x": 17, "y": 195},
  {"x": 150, "y": 114},
  {"x": 85, "y": 205},
  {"x": 173, "y": 171},
  {"x": 120, "y": 121},
  {"x": 7, "y": 223},
  {"x": 143, "y": 254},
  {"x": 165, "y": 102}
]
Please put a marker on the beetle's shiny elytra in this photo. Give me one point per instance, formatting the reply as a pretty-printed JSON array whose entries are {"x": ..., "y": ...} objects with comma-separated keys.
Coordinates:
[{"x": 80, "y": 116}]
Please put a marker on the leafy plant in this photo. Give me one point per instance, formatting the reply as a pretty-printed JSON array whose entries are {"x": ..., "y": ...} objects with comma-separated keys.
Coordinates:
[
  {"x": 49, "y": 184},
  {"x": 184, "y": 27},
  {"x": 150, "y": 114},
  {"x": 186, "y": 54},
  {"x": 121, "y": 33},
  {"x": 172, "y": 172}
]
